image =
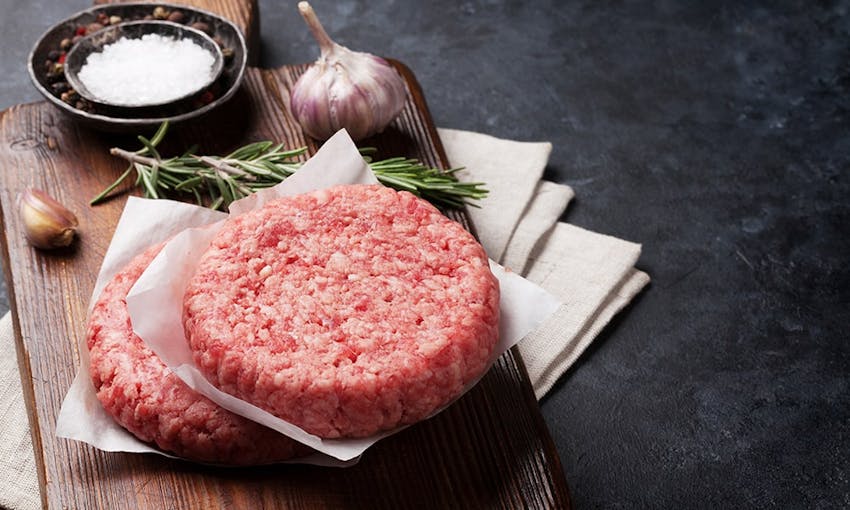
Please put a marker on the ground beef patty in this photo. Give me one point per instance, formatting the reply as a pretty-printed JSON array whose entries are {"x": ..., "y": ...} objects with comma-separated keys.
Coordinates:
[
  {"x": 345, "y": 311},
  {"x": 139, "y": 391}
]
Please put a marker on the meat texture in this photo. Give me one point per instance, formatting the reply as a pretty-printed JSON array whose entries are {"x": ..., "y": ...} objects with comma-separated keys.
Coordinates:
[
  {"x": 345, "y": 311},
  {"x": 140, "y": 392}
]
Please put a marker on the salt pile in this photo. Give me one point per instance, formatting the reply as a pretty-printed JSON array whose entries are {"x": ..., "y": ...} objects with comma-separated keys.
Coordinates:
[{"x": 147, "y": 71}]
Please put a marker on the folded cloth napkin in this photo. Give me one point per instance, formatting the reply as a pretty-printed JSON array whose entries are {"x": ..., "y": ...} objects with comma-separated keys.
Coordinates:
[
  {"x": 18, "y": 478},
  {"x": 593, "y": 274}
]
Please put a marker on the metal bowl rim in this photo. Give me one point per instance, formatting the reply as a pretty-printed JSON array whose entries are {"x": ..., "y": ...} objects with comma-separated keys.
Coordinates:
[{"x": 138, "y": 121}]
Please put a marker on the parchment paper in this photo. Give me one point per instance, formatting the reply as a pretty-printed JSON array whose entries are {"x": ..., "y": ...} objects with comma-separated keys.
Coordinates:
[{"x": 155, "y": 303}]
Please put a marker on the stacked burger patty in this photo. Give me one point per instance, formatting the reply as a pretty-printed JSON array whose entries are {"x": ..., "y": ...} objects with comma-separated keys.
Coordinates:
[{"x": 346, "y": 311}]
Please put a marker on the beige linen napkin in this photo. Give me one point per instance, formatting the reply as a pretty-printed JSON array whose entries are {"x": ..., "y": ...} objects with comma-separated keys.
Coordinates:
[
  {"x": 517, "y": 223},
  {"x": 18, "y": 479}
]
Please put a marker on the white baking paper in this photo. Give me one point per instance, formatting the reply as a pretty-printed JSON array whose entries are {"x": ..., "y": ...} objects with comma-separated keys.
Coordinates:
[{"x": 155, "y": 305}]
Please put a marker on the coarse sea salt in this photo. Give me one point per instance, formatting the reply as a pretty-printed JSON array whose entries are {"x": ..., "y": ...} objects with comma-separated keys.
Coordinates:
[{"x": 151, "y": 70}]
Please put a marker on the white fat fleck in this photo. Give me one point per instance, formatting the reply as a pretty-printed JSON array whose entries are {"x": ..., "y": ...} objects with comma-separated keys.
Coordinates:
[
  {"x": 338, "y": 262},
  {"x": 265, "y": 271},
  {"x": 428, "y": 349}
]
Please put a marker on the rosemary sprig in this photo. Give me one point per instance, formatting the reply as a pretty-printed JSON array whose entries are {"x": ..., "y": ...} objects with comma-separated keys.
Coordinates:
[{"x": 218, "y": 181}]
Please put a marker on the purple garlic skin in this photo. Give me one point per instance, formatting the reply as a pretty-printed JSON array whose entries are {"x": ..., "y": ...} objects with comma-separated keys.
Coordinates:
[{"x": 347, "y": 89}]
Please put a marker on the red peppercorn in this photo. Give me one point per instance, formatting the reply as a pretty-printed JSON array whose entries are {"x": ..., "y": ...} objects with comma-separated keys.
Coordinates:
[
  {"x": 80, "y": 31},
  {"x": 61, "y": 58},
  {"x": 206, "y": 98}
]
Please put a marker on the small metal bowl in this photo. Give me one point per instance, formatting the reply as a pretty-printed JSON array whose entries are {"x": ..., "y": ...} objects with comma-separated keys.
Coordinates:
[
  {"x": 52, "y": 86},
  {"x": 95, "y": 43}
]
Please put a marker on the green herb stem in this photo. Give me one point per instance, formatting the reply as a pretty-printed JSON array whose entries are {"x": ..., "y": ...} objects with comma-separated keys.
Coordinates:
[{"x": 218, "y": 181}]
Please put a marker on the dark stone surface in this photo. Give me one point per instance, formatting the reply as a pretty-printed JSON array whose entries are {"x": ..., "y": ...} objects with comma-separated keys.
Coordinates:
[{"x": 716, "y": 134}]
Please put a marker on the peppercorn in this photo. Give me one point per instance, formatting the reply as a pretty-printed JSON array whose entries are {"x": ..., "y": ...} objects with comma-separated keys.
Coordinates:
[
  {"x": 102, "y": 18},
  {"x": 54, "y": 54},
  {"x": 66, "y": 44},
  {"x": 61, "y": 58},
  {"x": 114, "y": 20},
  {"x": 206, "y": 98},
  {"x": 70, "y": 96},
  {"x": 200, "y": 25},
  {"x": 227, "y": 53},
  {"x": 176, "y": 17},
  {"x": 53, "y": 78},
  {"x": 60, "y": 87},
  {"x": 81, "y": 30},
  {"x": 160, "y": 12},
  {"x": 58, "y": 69}
]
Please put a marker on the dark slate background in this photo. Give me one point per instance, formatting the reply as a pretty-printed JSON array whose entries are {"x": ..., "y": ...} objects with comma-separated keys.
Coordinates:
[{"x": 716, "y": 134}]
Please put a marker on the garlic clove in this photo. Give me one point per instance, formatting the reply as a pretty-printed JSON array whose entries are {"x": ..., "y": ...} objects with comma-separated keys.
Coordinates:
[
  {"x": 347, "y": 89},
  {"x": 47, "y": 223}
]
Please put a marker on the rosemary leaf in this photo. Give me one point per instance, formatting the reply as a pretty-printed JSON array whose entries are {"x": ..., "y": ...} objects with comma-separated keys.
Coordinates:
[
  {"x": 150, "y": 189},
  {"x": 216, "y": 204},
  {"x": 189, "y": 184},
  {"x": 109, "y": 189},
  {"x": 160, "y": 134},
  {"x": 154, "y": 174},
  {"x": 151, "y": 148}
]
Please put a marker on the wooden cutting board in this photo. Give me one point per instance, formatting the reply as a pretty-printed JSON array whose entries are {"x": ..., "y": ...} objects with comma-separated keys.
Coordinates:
[{"x": 490, "y": 449}]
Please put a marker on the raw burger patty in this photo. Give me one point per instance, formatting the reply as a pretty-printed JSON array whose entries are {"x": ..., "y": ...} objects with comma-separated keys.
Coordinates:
[
  {"x": 345, "y": 311},
  {"x": 139, "y": 391}
]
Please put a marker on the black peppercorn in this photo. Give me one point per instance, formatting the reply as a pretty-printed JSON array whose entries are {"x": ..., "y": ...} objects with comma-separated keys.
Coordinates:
[
  {"x": 69, "y": 96},
  {"x": 55, "y": 72},
  {"x": 59, "y": 87},
  {"x": 54, "y": 55},
  {"x": 200, "y": 25},
  {"x": 176, "y": 16}
]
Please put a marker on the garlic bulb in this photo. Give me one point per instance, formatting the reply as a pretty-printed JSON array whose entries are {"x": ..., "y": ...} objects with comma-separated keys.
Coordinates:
[
  {"x": 345, "y": 89},
  {"x": 47, "y": 223}
]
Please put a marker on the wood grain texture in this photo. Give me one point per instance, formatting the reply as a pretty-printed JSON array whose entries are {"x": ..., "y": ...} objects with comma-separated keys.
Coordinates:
[{"x": 489, "y": 450}]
